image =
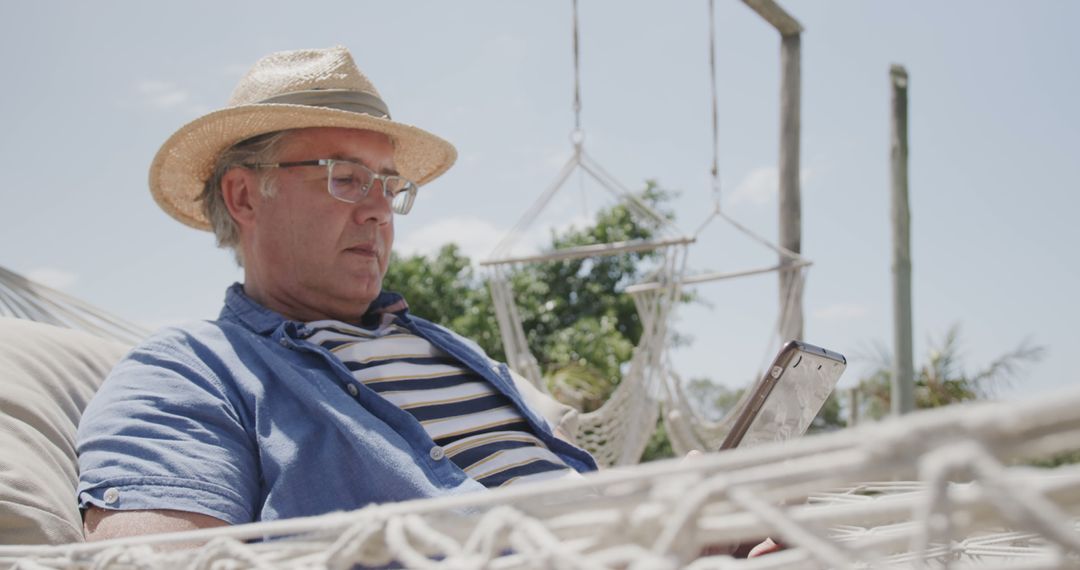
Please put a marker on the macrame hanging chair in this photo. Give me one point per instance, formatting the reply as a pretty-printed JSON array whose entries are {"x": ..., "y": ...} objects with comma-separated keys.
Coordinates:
[
  {"x": 618, "y": 432},
  {"x": 685, "y": 428}
]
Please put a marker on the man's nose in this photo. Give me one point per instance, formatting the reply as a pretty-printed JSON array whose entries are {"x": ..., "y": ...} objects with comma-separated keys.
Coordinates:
[{"x": 375, "y": 207}]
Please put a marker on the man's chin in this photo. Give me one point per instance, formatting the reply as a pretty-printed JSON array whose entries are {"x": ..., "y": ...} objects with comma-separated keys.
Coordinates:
[{"x": 358, "y": 298}]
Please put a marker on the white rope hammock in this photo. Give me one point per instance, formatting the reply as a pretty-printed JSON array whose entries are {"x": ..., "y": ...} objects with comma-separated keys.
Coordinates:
[
  {"x": 618, "y": 432},
  {"x": 968, "y": 504},
  {"x": 22, "y": 298},
  {"x": 685, "y": 428}
]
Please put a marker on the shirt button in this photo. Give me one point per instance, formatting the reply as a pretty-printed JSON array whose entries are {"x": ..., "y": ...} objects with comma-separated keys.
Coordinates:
[
  {"x": 353, "y": 389},
  {"x": 111, "y": 495},
  {"x": 437, "y": 453}
]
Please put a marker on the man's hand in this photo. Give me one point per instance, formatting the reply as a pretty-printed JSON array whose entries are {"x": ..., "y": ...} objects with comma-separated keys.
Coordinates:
[{"x": 766, "y": 546}]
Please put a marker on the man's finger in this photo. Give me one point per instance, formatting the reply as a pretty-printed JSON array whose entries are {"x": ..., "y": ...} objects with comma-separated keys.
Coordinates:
[{"x": 765, "y": 547}]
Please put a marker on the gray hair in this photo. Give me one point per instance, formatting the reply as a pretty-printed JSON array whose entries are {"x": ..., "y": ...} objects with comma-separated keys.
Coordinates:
[{"x": 261, "y": 148}]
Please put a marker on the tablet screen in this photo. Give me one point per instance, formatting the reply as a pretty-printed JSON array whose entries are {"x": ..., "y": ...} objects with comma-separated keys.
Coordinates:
[{"x": 786, "y": 400}]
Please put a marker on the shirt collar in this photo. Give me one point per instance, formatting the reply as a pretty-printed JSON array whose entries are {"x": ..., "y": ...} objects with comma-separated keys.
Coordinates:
[{"x": 240, "y": 307}]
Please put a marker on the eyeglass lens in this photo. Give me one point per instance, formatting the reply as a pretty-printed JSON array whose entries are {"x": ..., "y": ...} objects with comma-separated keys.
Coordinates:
[{"x": 351, "y": 182}]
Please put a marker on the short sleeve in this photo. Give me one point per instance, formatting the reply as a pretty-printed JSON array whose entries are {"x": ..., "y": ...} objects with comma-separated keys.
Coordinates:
[{"x": 168, "y": 431}]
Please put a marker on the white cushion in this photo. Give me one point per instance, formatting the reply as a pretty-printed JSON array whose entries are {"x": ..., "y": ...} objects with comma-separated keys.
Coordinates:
[{"x": 47, "y": 376}]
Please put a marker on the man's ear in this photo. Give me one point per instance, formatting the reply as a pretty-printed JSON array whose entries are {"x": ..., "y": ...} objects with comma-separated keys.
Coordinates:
[{"x": 239, "y": 188}]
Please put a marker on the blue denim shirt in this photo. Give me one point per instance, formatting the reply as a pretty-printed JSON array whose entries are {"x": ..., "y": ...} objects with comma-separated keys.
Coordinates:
[{"x": 243, "y": 420}]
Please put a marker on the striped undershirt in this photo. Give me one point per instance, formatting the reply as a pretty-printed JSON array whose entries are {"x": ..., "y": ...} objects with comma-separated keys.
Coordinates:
[{"x": 477, "y": 427}]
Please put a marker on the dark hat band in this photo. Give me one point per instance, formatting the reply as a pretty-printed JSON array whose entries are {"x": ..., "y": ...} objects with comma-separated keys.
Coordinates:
[{"x": 341, "y": 99}]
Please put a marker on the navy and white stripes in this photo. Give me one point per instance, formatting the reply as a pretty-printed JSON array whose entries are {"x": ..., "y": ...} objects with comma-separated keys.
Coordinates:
[{"x": 478, "y": 428}]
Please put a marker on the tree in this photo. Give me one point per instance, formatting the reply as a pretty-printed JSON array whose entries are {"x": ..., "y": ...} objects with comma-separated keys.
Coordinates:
[
  {"x": 573, "y": 311},
  {"x": 830, "y": 416},
  {"x": 711, "y": 401},
  {"x": 942, "y": 380},
  {"x": 445, "y": 289},
  {"x": 578, "y": 324}
]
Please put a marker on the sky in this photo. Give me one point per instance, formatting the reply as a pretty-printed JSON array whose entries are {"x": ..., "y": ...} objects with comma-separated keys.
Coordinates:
[{"x": 93, "y": 89}]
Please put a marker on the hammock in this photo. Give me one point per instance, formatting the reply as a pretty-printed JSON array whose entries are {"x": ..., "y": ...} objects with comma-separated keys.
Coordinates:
[
  {"x": 685, "y": 428},
  {"x": 969, "y": 504},
  {"x": 24, "y": 299},
  {"x": 618, "y": 432}
]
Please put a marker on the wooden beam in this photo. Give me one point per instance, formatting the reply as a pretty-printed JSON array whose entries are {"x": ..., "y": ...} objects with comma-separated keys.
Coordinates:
[
  {"x": 775, "y": 15},
  {"x": 790, "y": 193},
  {"x": 790, "y": 201},
  {"x": 714, "y": 276},
  {"x": 594, "y": 250}
]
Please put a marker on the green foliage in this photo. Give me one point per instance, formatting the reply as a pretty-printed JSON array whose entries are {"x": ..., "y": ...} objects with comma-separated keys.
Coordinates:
[
  {"x": 581, "y": 386},
  {"x": 711, "y": 401},
  {"x": 1066, "y": 458},
  {"x": 830, "y": 417},
  {"x": 942, "y": 379},
  {"x": 573, "y": 311},
  {"x": 659, "y": 446},
  {"x": 578, "y": 324},
  {"x": 444, "y": 289}
]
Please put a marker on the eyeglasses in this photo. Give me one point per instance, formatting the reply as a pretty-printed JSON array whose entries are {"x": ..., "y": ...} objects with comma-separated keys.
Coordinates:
[{"x": 350, "y": 181}]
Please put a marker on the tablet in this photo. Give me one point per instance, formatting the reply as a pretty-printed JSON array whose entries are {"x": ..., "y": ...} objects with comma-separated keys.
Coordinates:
[{"x": 781, "y": 404}]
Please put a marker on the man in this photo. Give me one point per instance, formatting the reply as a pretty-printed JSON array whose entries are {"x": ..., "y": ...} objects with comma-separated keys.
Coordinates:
[{"x": 314, "y": 390}]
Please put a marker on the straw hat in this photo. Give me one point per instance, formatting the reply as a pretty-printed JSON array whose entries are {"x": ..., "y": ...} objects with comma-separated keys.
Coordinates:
[{"x": 287, "y": 90}]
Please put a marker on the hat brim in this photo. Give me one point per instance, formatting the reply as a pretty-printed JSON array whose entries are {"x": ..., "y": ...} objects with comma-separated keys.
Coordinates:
[{"x": 183, "y": 164}]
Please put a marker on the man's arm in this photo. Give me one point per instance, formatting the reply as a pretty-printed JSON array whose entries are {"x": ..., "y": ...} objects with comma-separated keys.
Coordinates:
[
  {"x": 561, "y": 417},
  {"x": 162, "y": 440},
  {"x": 103, "y": 524}
]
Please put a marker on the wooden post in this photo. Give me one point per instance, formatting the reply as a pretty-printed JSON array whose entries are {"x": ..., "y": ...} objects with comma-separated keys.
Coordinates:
[
  {"x": 790, "y": 202},
  {"x": 903, "y": 373}
]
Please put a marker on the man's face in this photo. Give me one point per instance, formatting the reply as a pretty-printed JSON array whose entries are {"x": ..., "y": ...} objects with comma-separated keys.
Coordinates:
[{"x": 311, "y": 255}]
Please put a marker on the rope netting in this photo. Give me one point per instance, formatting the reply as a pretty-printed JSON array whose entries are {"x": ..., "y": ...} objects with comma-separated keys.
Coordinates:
[
  {"x": 617, "y": 432},
  {"x": 970, "y": 502},
  {"x": 686, "y": 428},
  {"x": 23, "y": 298}
]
